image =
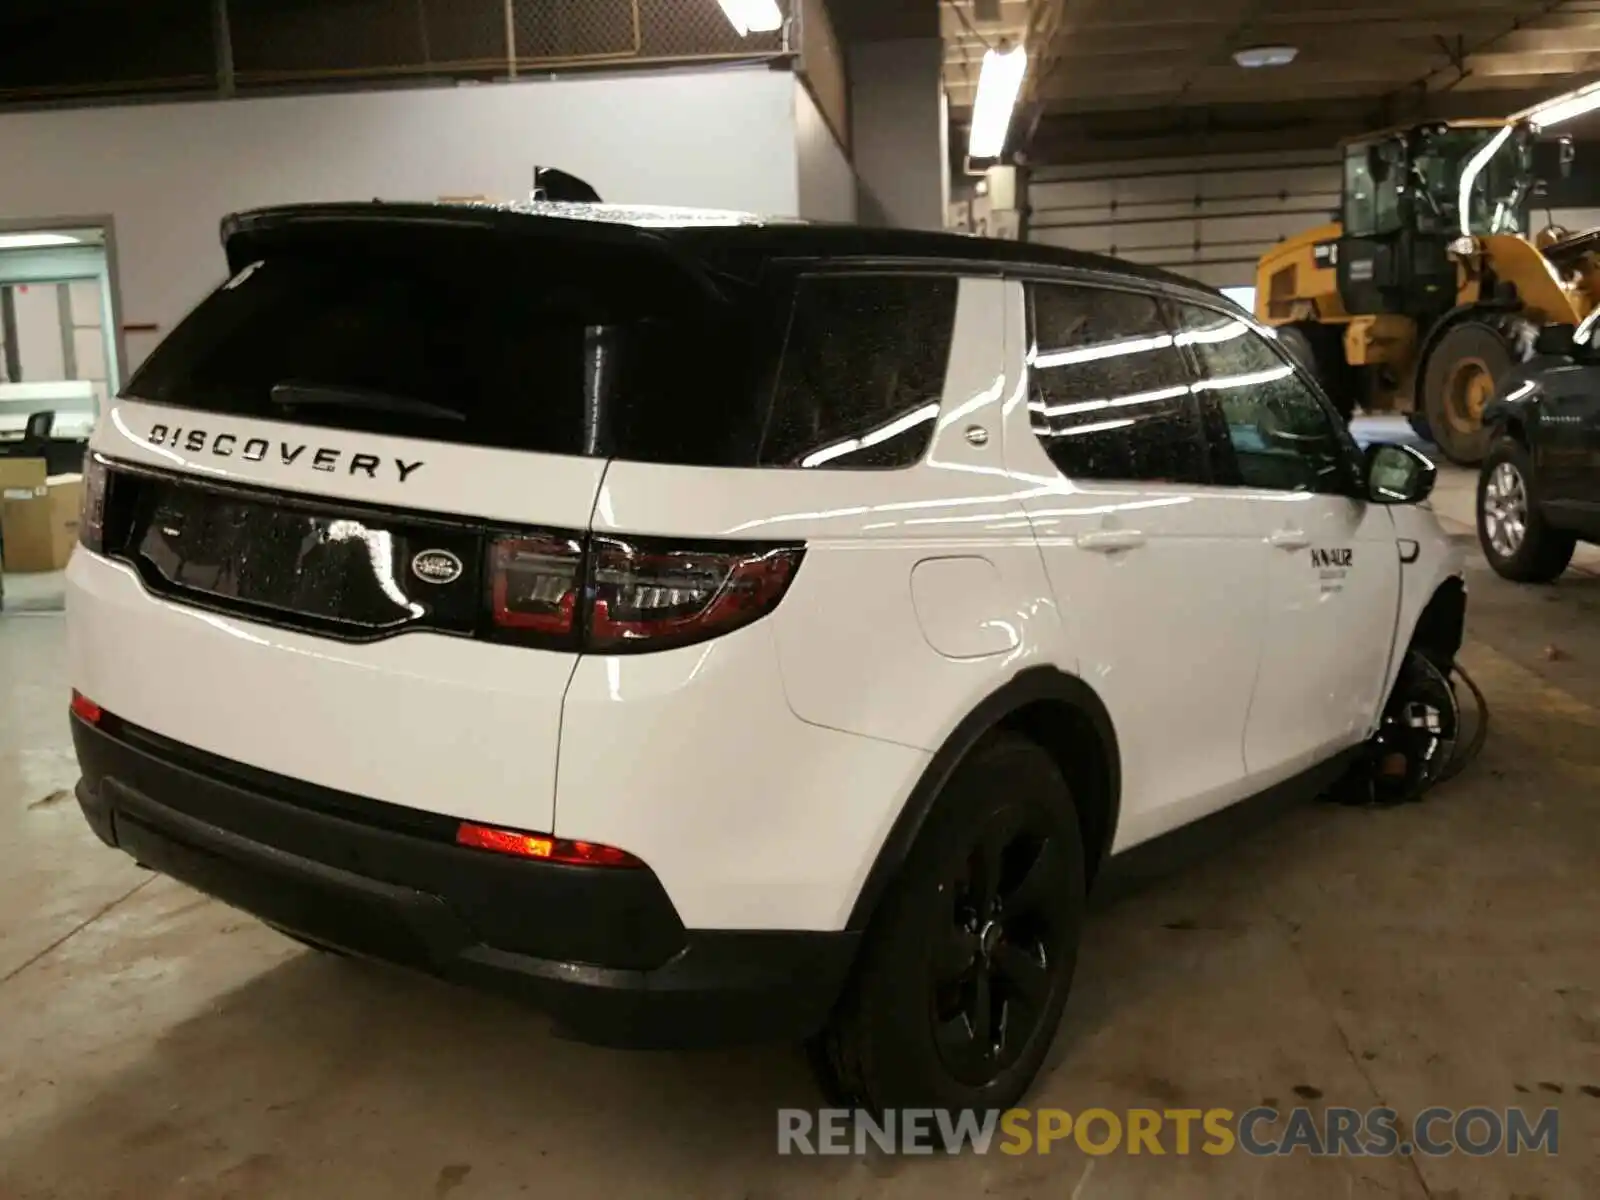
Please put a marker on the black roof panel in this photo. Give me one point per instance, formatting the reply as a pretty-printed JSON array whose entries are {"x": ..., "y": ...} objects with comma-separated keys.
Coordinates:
[{"x": 726, "y": 239}]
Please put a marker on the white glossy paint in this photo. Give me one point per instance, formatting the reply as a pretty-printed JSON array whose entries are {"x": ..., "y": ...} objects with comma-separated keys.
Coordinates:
[
  {"x": 758, "y": 774},
  {"x": 1162, "y": 593},
  {"x": 750, "y": 817},
  {"x": 1330, "y": 632},
  {"x": 960, "y": 605},
  {"x": 427, "y": 721}
]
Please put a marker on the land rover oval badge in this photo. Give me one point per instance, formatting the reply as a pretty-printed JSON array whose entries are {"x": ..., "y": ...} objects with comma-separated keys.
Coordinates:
[{"x": 436, "y": 566}]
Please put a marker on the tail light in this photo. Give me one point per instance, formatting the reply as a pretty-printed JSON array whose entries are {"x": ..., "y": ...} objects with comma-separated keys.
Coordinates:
[
  {"x": 654, "y": 597},
  {"x": 542, "y": 846},
  {"x": 92, "y": 520},
  {"x": 535, "y": 584},
  {"x": 614, "y": 595},
  {"x": 85, "y": 709}
]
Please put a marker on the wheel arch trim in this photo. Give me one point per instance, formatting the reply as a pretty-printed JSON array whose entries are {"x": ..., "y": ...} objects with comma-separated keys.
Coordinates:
[{"x": 1027, "y": 687}]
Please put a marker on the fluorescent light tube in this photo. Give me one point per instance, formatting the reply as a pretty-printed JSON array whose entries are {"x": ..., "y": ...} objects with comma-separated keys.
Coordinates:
[
  {"x": 1564, "y": 108},
  {"x": 35, "y": 241},
  {"x": 752, "y": 16},
  {"x": 998, "y": 86},
  {"x": 1470, "y": 174}
]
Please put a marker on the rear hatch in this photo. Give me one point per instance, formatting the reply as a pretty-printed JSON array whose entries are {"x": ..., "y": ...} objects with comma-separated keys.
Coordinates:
[{"x": 396, "y": 420}]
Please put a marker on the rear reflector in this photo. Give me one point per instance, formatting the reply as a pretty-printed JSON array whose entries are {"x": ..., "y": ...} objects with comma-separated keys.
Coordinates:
[
  {"x": 542, "y": 846},
  {"x": 85, "y": 709}
]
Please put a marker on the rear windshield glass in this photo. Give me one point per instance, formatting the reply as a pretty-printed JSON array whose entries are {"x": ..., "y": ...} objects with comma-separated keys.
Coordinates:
[{"x": 562, "y": 348}]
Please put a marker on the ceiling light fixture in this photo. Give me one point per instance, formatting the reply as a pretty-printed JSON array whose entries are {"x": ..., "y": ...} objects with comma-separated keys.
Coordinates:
[
  {"x": 1563, "y": 108},
  {"x": 35, "y": 241},
  {"x": 752, "y": 16},
  {"x": 999, "y": 84},
  {"x": 1252, "y": 57}
]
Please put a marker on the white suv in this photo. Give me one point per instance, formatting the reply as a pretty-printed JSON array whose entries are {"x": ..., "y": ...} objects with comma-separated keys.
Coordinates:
[{"x": 717, "y": 629}]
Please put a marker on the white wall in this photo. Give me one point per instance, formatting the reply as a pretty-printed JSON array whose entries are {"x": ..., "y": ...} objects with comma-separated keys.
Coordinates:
[
  {"x": 827, "y": 181},
  {"x": 168, "y": 173}
]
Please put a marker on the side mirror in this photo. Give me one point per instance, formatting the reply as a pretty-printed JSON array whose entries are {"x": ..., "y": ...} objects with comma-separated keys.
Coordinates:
[
  {"x": 1398, "y": 474},
  {"x": 1555, "y": 339}
]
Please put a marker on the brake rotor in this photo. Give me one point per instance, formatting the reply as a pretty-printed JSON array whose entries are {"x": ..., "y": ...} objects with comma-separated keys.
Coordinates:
[{"x": 1418, "y": 734}]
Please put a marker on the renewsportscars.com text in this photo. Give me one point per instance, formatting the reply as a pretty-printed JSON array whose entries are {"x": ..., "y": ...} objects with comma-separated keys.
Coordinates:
[{"x": 1259, "y": 1132}]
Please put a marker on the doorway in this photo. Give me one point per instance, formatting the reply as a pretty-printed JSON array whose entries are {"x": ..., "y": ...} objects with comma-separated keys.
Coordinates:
[{"x": 60, "y": 345}]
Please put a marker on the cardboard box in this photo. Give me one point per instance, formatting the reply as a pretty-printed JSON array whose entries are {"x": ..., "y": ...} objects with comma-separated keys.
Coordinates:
[{"x": 38, "y": 515}]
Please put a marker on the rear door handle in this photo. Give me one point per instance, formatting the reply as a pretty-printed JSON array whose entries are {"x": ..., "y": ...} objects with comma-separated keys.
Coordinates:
[
  {"x": 1108, "y": 541},
  {"x": 1289, "y": 539}
]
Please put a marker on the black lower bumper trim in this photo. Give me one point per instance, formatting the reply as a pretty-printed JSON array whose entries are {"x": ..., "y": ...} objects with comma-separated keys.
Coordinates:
[{"x": 641, "y": 979}]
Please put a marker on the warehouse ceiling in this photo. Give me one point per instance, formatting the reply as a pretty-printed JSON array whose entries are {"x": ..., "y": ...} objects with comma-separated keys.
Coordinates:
[
  {"x": 1115, "y": 78},
  {"x": 75, "y": 51}
]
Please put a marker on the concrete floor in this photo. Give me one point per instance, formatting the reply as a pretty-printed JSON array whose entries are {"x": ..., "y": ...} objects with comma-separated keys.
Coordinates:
[{"x": 153, "y": 1043}]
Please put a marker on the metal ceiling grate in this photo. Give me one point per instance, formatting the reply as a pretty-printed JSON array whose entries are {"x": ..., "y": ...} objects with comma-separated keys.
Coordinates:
[{"x": 52, "y": 48}]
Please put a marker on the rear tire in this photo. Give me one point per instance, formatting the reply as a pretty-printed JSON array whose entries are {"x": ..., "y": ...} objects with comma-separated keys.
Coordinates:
[
  {"x": 965, "y": 968},
  {"x": 1462, "y": 374},
  {"x": 1320, "y": 350},
  {"x": 1517, "y": 540},
  {"x": 1420, "y": 427}
]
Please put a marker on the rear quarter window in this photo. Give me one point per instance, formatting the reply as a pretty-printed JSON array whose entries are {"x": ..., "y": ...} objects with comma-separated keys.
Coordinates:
[{"x": 862, "y": 371}]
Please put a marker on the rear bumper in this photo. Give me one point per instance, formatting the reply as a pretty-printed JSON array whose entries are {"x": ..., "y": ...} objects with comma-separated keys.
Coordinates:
[{"x": 601, "y": 949}]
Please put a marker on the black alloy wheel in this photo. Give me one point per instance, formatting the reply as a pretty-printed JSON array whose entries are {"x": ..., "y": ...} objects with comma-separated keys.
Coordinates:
[
  {"x": 966, "y": 964},
  {"x": 1002, "y": 929}
]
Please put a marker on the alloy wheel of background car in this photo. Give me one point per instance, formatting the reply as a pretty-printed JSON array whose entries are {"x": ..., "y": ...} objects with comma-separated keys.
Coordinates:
[
  {"x": 1517, "y": 541},
  {"x": 966, "y": 964},
  {"x": 1505, "y": 509}
]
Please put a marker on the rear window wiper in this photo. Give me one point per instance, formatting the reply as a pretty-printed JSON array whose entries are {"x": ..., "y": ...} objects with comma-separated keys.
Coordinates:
[{"x": 295, "y": 394}]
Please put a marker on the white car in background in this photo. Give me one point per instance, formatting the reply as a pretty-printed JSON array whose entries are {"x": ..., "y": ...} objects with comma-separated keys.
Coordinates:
[{"x": 718, "y": 629}]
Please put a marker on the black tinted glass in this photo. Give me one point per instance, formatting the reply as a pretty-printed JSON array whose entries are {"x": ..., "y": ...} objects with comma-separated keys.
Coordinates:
[
  {"x": 551, "y": 346},
  {"x": 1110, "y": 393},
  {"x": 1278, "y": 434},
  {"x": 862, "y": 372}
]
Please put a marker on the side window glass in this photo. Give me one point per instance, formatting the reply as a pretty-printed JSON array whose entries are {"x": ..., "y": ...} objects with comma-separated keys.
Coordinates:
[
  {"x": 1110, "y": 395},
  {"x": 862, "y": 372},
  {"x": 1273, "y": 430},
  {"x": 1360, "y": 203}
]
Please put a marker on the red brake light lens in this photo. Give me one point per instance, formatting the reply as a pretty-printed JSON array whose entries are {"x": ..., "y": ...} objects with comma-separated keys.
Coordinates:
[
  {"x": 534, "y": 584},
  {"x": 615, "y": 595},
  {"x": 542, "y": 846},
  {"x": 85, "y": 709},
  {"x": 652, "y": 596}
]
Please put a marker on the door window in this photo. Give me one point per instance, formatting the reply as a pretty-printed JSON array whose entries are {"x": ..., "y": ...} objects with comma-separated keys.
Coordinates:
[
  {"x": 1267, "y": 427},
  {"x": 1109, "y": 391}
]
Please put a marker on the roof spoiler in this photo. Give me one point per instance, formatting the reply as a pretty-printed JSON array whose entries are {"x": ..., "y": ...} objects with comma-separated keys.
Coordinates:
[
  {"x": 552, "y": 184},
  {"x": 247, "y": 236}
]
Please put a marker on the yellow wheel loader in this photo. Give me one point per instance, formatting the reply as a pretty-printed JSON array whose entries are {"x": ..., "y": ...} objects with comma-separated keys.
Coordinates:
[{"x": 1430, "y": 284}]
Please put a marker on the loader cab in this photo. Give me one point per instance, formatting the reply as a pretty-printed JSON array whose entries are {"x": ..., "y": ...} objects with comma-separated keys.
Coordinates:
[{"x": 1409, "y": 193}]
